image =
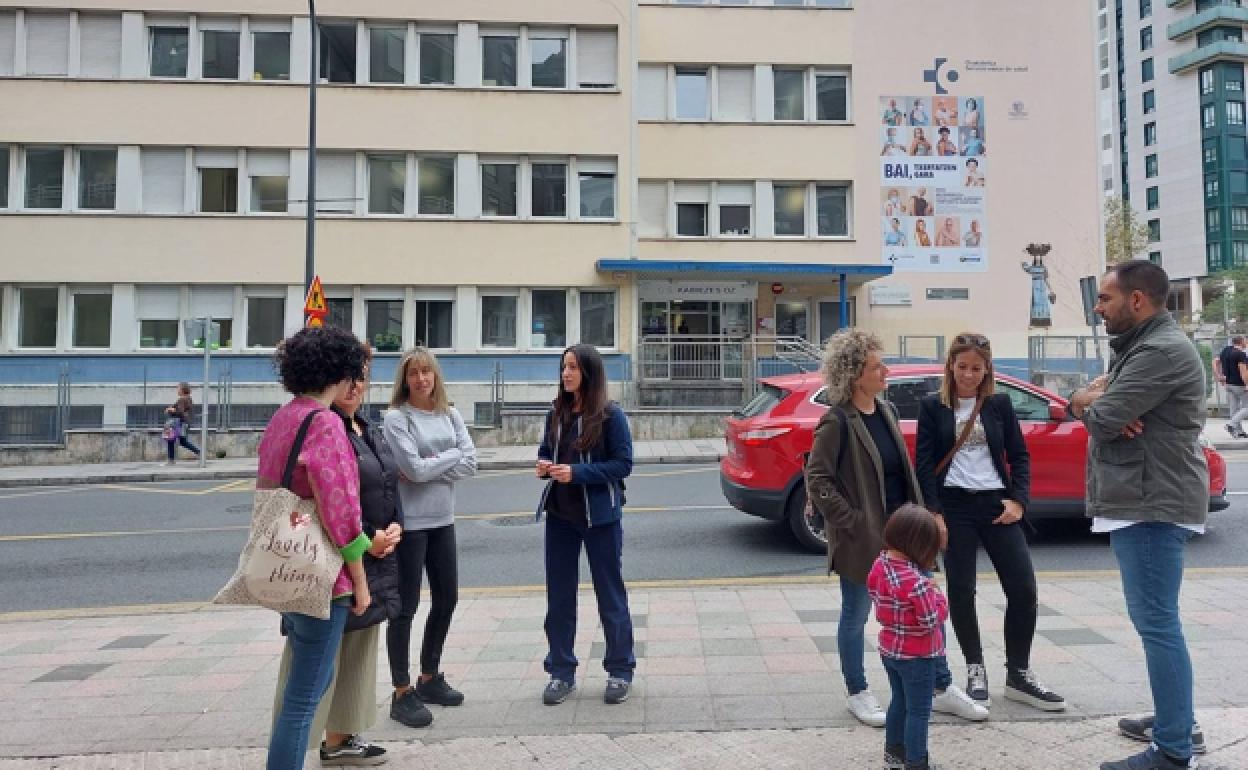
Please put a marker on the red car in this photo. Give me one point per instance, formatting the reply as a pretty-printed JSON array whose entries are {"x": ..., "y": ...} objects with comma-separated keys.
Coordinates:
[{"x": 769, "y": 436}]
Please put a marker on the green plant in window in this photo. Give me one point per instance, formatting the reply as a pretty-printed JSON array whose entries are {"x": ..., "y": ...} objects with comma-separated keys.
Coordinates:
[{"x": 387, "y": 342}]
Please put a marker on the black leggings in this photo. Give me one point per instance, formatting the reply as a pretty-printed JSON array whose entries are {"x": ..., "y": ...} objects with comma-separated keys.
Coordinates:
[
  {"x": 420, "y": 551},
  {"x": 969, "y": 519}
]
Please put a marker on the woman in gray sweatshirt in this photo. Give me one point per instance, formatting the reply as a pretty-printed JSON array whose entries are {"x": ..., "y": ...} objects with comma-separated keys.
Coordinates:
[{"x": 433, "y": 450}]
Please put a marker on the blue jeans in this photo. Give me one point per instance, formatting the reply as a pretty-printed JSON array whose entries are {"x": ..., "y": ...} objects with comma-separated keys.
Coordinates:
[
  {"x": 1150, "y": 557},
  {"x": 851, "y": 643},
  {"x": 313, "y": 644},
  {"x": 910, "y": 709},
  {"x": 604, "y": 549}
]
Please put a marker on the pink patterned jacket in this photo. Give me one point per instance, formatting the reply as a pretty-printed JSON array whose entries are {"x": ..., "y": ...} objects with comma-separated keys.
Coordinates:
[{"x": 327, "y": 470}]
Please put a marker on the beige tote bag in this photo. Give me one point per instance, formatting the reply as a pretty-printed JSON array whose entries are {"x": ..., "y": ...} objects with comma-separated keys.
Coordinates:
[{"x": 289, "y": 563}]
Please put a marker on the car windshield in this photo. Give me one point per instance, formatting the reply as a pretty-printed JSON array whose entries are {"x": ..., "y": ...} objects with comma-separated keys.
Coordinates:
[{"x": 762, "y": 402}]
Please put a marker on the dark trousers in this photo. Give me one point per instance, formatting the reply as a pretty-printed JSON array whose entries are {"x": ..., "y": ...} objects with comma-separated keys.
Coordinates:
[
  {"x": 604, "y": 550},
  {"x": 181, "y": 430},
  {"x": 910, "y": 707},
  {"x": 969, "y": 518},
  {"x": 421, "y": 551}
]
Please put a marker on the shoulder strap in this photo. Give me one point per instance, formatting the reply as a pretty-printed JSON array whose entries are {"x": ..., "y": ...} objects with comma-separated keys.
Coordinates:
[
  {"x": 288, "y": 475},
  {"x": 966, "y": 433}
]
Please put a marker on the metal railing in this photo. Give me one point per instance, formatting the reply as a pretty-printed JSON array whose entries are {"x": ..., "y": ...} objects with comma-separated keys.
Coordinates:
[{"x": 719, "y": 358}]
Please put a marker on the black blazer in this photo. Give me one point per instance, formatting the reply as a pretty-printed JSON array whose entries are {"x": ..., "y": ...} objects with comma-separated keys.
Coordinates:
[{"x": 1005, "y": 440}]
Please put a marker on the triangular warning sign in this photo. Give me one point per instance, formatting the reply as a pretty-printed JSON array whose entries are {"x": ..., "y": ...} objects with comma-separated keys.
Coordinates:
[{"x": 315, "y": 304}]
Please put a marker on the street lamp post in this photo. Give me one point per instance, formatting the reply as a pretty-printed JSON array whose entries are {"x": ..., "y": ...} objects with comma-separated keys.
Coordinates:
[{"x": 309, "y": 257}]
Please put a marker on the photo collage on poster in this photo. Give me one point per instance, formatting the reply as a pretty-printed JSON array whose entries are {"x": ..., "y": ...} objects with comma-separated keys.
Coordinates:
[{"x": 933, "y": 171}]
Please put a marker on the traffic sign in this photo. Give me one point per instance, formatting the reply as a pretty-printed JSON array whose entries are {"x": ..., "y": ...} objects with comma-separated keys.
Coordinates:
[{"x": 314, "y": 307}]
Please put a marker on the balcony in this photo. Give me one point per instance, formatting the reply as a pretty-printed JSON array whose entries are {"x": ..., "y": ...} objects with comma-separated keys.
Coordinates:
[
  {"x": 1221, "y": 50},
  {"x": 1191, "y": 25}
]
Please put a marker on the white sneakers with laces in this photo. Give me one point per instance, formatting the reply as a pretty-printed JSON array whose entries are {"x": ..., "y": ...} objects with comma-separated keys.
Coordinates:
[
  {"x": 866, "y": 708},
  {"x": 954, "y": 701}
]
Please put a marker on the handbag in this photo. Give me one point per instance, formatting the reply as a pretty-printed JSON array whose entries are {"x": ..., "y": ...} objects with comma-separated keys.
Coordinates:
[
  {"x": 966, "y": 433},
  {"x": 169, "y": 432},
  {"x": 289, "y": 564}
]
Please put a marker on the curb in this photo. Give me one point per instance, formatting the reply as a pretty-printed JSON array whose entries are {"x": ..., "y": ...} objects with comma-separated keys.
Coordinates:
[{"x": 131, "y": 477}]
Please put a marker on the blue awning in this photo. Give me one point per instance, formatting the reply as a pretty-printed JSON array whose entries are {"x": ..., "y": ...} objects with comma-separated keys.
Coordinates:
[{"x": 799, "y": 271}]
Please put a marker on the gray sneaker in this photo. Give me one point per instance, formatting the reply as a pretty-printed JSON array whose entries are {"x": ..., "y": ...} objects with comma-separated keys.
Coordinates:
[
  {"x": 1142, "y": 730},
  {"x": 354, "y": 752},
  {"x": 1148, "y": 759},
  {"x": 616, "y": 692},
  {"x": 557, "y": 692}
]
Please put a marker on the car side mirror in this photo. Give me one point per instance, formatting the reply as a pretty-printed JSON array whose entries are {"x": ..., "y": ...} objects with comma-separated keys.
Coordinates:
[{"x": 1057, "y": 412}]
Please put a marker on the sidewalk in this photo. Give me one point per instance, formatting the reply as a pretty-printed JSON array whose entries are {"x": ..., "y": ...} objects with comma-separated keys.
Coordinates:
[
  {"x": 730, "y": 674},
  {"x": 488, "y": 459}
]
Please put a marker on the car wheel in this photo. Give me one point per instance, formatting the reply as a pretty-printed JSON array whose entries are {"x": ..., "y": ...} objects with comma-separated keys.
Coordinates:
[{"x": 805, "y": 522}]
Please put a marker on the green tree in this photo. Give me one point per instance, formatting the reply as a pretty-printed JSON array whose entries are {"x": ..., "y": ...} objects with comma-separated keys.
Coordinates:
[
  {"x": 1226, "y": 298},
  {"x": 1125, "y": 236}
]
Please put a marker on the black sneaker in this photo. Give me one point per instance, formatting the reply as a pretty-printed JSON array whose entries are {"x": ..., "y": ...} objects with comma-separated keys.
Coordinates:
[
  {"x": 894, "y": 758},
  {"x": 977, "y": 684},
  {"x": 1022, "y": 686},
  {"x": 353, "y": 753},
  {"x": 616, "y": 692},
  {"x": 408, "y": 709},
  {"x": 557, "y": 692},
  {"x": 1142, "y": 730},
  {"x": 1148, "y": 759},
  {"x": 437, "y": 691}
]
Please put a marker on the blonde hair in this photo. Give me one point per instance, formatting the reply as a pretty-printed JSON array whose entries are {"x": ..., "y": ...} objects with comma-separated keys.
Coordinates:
[
  {"x": 844, "y": 359},
  {"x": 401, "y": 393},
  {"x": 963, "y": 343}
]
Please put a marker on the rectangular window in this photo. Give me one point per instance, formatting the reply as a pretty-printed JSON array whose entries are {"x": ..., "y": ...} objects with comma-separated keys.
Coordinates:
[
  {"x": 383, "y": 327},
  {"x": 1154, "y": 230},
  {"x": 1239, "y": 253},
  {"x": 597, "y": 194},
  {"x": 1209, "y": 116},
  {"x": 691, "y": 219},
  {"x": 97, "y": 178},
  {"x": 1212, "y": 220},
  {"x": 735, "y": 219},
  {"x": 1206, "y": 81},
  {"x": 271, "y": 55},
  {"x": 1150, "y": 166},
  {"x": 433, "y": 323},
  {"x": 1146, "y": 70},
  {"x": 692, "y": 94},
  {"x": 653, "y": 209},
  {"x": 99, "y": 43},
  {"x": 498, "y": 189},
  {"x": 93, "y": 320},
  {"x": 437, "y": 59},
  {"x": 596, "y": 54},
  {"x": 157, "y": 333},
  {"x": 1233, "y": 80},
  {"x": 387, "y": 176},
  {"x": 45, "y": 177},
  {"x": 1152, "y": 198},
  {"x": 1150, "y": 134},
  {"x": 217, "y": 303},
  {"x": 790, "y": 207},
  {"x": 550, "y": 190},
  {"x": 270, "y": 180},
  {"x": 4, "y": 176},
  {"x": 1213, "y": 254},
  {"x": 1146, "y": 38},
  {"x": 549, "y": 62},
  {"x": 831, "y": 97},
  {"x": 1235, "y": 113},
  {"x": 1211, "y": 186},
  {"x": 832, "y": 210},
  {"x": 1238, "y": 183},
  {"x": 37, "y": 317},
  {"x": 1146, "y": 8},
  {"x": 598, "y": 318},
  {"x": 436, "y": 179},
  {"x": 266, "y": 318},
  {"x": 1239, "y": 217},
  {"x": 164, "y": 180},
  {"x": 156, "y": 308},
  {"x": 498, "y": 60},
  {"x": 1154, "y": 257},
  {"x": 335, "y": 182},
  {"x": 498, "y": 322},
  {"x": 789, "y": 90},
  {"x": 337, "y": 53},
  {"x": 339, "y": 312},
  {"x": 550, "y": 318},
  {"x": 651, "y": 88},
  {"x": 47, "y": 43},
  {"x": 220, "y": 55},
  {"x": 218, "y": 190},
  {"x": 1149, "y": 101},
  {"x": 385, "y": 54},
  {"x": 736, "y": 94},
  {"x": 169, "y": 49}
]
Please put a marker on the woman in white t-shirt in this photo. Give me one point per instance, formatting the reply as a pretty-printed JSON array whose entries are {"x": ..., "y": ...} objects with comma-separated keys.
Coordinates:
[{"x": 975, "y": 471}]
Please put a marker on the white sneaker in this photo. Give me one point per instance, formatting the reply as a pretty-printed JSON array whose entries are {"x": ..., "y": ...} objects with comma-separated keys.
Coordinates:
[
  {"x": 954, "y": 701},
  {"x": 866, "y": 708}
]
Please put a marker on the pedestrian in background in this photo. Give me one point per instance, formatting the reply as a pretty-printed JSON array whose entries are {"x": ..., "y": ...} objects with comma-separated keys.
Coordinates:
[
  {"x": 1148, "y": 487},
  {"x": 586, "y": 452},
  {"x": 317, "y": 366},
  {"x": 1230, "y": 367},
  {"x": 433, "y": 450},
  {"x": 180, "y": 416},
  {"x": 975, "y": 472},
  {"x": 858, "y": 473},
  {"x": 910, "y": 609}
]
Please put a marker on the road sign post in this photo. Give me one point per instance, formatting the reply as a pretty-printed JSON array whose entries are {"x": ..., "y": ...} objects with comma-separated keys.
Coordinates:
[
  {"x": 314, "y": 306},
  {"x": 207, "y": 333}
]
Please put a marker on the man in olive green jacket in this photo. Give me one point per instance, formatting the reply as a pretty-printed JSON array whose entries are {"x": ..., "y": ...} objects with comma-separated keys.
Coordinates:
[{"x": 1148, "y": 487}]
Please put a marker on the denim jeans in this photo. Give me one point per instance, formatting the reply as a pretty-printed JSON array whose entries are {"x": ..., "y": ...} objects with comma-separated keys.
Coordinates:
[
  {"x": 910, "y": 709},
  {"x": 851, "y": 642},
  {"x": 181, "y": 435},
  {"x": 1150, "y": 557},
  {"x": 313, "y": 645},
  {"x": 604, "y": 550}
]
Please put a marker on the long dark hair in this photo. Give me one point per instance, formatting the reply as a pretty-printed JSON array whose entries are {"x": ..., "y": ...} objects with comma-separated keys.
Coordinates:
[{"x": 593, "y": 393}]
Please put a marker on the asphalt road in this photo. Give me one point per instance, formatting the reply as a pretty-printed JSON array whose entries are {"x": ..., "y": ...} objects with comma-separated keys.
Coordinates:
[{"x": 98, "y": 546}]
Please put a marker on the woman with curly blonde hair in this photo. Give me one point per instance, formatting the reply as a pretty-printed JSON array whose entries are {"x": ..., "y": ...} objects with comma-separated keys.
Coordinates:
[{"x": 858, "y": 473}]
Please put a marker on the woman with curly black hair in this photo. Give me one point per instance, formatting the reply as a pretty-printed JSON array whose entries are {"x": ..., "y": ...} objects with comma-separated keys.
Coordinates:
[{"x": 317, "y": 366}]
